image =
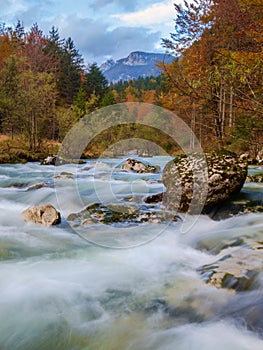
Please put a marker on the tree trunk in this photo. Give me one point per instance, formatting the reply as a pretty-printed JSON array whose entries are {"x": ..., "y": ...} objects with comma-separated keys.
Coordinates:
[{"x": 231, "y": 107}]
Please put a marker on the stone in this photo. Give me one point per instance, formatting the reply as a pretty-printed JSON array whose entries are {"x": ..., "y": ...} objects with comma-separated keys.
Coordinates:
[
  {"x": 225, "y": 176},
  {"x": 259, "y": 157},
  {"x": 258, "y": 178},
  {"x": 236, "y": 268},
  {"x": 120, "y": 214},
  {"x": 53, "y": 160},
  {"x": 139, "y": 167},
  {"x": 43, "y": 215},
  {"x": 36, "y": 186},
  {"x": 155, "y": 198},
  {"x": 64, "y": 176}
]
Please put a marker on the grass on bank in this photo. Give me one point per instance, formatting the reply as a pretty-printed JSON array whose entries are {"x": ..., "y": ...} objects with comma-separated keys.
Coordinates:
[{"x": 15, "y": 150}]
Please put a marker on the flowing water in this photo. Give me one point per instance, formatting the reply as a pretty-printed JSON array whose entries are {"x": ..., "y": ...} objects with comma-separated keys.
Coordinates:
[{"x": 62, "y": 289}]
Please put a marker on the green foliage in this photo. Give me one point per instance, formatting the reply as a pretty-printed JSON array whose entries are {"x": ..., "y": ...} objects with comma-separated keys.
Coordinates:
[
  {"x": 80, "y": 104},
  {"x": 66, "y": 118},
  {"x": 35, "y": 102},
  {"x": 108, "y": 99},
  {"x": 142, "y": 83},
  {"x": 95, "y": 82}
]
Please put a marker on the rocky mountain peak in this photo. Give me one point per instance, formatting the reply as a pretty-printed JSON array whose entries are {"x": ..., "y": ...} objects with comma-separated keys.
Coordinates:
[{"x": 136, "y": 64}]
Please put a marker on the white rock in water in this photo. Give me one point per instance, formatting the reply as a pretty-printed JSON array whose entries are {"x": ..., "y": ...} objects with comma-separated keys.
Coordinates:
[
  {"x": 139, "y": 167},
  {"x": 43, "y": 215}
]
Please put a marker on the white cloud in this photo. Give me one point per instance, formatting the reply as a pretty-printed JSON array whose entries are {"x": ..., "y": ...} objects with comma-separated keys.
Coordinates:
[
  {"x": 161, "y": 12},
  {"x": 96, "y": 41}
]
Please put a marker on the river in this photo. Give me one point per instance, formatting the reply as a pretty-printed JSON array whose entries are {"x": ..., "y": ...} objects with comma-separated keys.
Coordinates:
[{"x": 109, "y": 288}]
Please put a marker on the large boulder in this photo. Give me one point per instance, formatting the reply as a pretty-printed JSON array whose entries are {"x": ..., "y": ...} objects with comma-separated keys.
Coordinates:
[
  {"x": 43, "y": 214},
  {"x": 136, "y": 166},
  {"x": 212, "y": 179}
]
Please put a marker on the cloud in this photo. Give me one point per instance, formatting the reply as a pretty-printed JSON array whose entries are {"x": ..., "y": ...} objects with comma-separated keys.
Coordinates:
[
  {"x": 96, "y": 34},
  {"x": 28, "y": 12},
  {"x": 96, "y": 41},
  {"x": 35, "y": 11},
  {"x": 9, "y": 8},
  {"x": 156, "y": 13},
  {"x": 5, "y": 3},
  {"x": 127, "y": 5}
]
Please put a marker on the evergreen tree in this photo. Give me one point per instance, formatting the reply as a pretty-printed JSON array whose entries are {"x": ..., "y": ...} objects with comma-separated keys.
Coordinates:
[
  {"x": 95, "y": 82},
  {"x": 70, "y": 71}
]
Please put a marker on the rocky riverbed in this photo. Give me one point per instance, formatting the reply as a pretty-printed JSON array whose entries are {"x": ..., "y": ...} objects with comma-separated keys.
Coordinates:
[{"x": 125, "y": 283}]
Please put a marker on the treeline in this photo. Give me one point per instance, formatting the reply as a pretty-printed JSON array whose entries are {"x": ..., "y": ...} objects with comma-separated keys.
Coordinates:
[
  {"x": 140, "y": 84},
  {"x": 143, "y": 89},
  {"x": 44, "y": 86},
  {"x": 45, "y": 89},
  {"x": 216, "y": 83}
]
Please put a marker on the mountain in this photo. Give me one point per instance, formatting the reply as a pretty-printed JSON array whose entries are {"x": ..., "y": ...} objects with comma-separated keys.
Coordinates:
[{"x": 137, "y": 64}]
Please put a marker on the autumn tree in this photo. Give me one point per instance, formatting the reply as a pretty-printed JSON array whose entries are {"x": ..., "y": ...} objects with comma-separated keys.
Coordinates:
[
  {"x": 8, "y": 91},
  {"x": 216, "y": 79}
]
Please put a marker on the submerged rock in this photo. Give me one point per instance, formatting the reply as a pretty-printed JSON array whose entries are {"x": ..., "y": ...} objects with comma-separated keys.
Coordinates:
[
  {"x": 247, "y": 308},
  {"x": 43, "y": 214},
  {"x": 243, "y": 203},
  {"x": 119, "y": 214},
  {"x": 223, "y": 173},
  {"x": 139, "y": 167},
  {"x": 36, "y": 186},
  {"x": 258, "y": 178},
  {"x": 237, "y": 267},
  {"x": 155, "y": 198},
  {"x": 64, "y": 176}
]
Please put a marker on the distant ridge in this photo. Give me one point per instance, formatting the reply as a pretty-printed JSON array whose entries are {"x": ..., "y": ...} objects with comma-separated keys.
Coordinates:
[{"x": 137, "y": 64}]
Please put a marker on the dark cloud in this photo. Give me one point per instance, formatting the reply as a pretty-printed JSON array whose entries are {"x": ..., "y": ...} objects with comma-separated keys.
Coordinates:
[{"x": 95, "y": 41}]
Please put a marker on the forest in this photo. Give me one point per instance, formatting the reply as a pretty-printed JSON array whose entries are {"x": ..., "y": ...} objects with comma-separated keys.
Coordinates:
[{"x": 214, "y": 83}]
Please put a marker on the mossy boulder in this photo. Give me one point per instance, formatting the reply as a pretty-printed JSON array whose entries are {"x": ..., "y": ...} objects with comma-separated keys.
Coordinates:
[
  {"x": 119, "y": 214},
  {"x": 199, "y": 183}
]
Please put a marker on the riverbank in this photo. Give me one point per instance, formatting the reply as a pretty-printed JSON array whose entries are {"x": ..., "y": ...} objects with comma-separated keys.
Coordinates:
[{"x": 15, "y": 150}]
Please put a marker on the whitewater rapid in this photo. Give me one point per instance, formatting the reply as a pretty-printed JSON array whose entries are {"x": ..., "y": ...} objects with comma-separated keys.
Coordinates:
[{"x": 60, "y": 291}]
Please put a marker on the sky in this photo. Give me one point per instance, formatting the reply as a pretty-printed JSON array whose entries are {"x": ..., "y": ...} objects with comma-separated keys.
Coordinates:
[{"x": 100, "y": 29}]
